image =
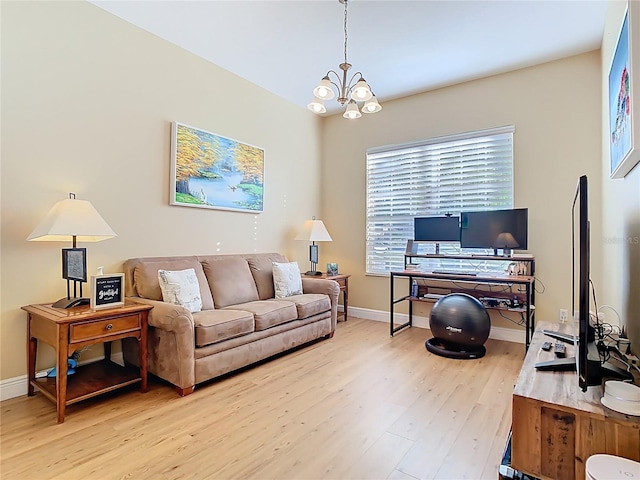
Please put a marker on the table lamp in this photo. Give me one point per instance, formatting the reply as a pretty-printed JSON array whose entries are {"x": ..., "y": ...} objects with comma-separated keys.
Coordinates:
[
  {"x": 79, "y": 220},
  {"x": 506, "y": 242},
  {"x": 314, "y": 231}
]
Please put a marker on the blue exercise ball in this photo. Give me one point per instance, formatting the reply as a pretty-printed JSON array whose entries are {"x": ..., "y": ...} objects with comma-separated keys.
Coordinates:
[{"x": 459, "y": 323}]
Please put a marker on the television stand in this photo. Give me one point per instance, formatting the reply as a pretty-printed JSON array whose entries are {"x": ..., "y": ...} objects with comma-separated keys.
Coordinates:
[{"x": 556, "y": 427}]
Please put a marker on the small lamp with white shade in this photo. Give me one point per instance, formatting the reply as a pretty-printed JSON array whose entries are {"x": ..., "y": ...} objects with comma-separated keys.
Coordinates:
[
  {"x": 79, "y": 221},
  {"x": 314, "y": 231}
]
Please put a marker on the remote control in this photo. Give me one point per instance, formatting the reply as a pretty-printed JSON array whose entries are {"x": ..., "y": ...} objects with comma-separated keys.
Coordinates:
[
  {"x": 546, "y": 346},
  {"x": 560, "y": 349}
]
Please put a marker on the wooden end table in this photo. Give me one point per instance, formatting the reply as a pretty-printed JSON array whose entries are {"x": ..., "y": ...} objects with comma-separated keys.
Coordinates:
[
  {"x": 343, "y": 283},
  {"x": 68, "y": 330}
]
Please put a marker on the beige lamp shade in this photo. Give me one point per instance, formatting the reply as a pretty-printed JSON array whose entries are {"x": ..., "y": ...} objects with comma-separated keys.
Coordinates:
[
  {"x": 314, "y": 231},
  {"x": 72, "y": 218},
  {"x": 506, "y": 240}
]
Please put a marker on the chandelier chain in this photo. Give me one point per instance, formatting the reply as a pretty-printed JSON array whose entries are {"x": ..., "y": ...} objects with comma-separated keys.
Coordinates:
[
  {"x": 345, "y": 31},
  {"x": 348, "y": 92}
]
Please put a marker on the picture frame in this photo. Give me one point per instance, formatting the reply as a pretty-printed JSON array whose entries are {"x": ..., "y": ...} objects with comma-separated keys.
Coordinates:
[
  {"x": 212, "y": 171},
  {"x": 107, "y": 291},
  {"x": 624, "y": 96},
  {"x": 74, "y": 264}
]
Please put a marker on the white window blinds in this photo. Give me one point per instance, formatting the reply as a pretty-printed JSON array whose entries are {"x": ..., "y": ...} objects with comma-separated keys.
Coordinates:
[{"x": 466, "y": 172}]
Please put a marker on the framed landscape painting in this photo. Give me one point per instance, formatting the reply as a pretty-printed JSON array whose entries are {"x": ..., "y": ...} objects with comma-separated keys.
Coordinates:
[
  {"x": 211, "y": 171},
  {"x": 624, "y": 96}
]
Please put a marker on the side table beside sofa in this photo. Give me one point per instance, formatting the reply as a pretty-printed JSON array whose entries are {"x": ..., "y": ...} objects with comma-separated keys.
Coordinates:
[
  {"x": 68, "y": 330},
  {"x": 343, "y": 282}
]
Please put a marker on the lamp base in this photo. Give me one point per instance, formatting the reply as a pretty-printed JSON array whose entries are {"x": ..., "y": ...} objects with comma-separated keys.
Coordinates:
[
  {"x": 312, "y": 273},
  {"x": 70, "y": 302}
]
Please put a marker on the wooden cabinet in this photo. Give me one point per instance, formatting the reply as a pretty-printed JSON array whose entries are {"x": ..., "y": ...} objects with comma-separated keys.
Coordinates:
[
  {"x": 68, "y": 330},
  {"x": 556, "y": 426}
]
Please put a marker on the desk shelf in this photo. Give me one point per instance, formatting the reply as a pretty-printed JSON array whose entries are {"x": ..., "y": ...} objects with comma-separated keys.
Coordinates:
[
  {"x": 457, "y": 284},
  {"x": 504, "y": 309}
]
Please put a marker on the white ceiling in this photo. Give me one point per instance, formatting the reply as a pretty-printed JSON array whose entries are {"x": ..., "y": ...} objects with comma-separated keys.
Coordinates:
[{"x": 401, "y": 47}]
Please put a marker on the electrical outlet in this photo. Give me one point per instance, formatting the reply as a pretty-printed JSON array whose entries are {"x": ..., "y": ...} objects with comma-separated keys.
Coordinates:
[{"x": 563, "y": 315}]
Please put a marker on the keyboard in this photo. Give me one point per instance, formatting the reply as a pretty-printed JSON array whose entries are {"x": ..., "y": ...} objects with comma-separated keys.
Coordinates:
[
  {"x": 432, "y": 296},
  {"x": 450, "y": 272}
]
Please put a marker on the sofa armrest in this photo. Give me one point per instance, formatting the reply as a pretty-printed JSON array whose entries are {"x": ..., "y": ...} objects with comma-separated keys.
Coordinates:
[
  {"x": 167, "y": 316},
  {"x": 327, "y": 287},
  {"x": 171, "y": 344}
]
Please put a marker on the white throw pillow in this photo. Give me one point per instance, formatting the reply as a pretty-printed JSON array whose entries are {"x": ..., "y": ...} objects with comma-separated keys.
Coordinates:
[
  {"x": 181, "y": 287},
  {"x": 286, "y": 279}
]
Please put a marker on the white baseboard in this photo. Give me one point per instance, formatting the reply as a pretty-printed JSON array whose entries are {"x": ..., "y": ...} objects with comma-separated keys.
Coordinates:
[
  {"x": 497, "y": 333},
  {"x": 17, "y": 386}
]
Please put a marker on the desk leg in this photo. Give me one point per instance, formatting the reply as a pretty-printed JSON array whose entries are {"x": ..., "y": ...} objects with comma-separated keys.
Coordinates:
[
  {"x": 61, "y": 371},
  {"x": 345, "y": 298},
  {"x": 32, "y": 348},
  {"x": 391, "y": 305}
]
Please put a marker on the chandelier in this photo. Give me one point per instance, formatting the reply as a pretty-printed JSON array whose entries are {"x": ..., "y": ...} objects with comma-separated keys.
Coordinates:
[{"x": 351, "y": 92}]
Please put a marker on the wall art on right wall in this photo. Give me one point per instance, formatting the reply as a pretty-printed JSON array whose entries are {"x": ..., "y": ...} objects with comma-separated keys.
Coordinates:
[{"x": 624, "y": 94}]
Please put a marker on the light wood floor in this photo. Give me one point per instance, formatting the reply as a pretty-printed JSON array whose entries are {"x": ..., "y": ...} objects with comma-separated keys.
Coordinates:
[{"x": 360, "y": 405}]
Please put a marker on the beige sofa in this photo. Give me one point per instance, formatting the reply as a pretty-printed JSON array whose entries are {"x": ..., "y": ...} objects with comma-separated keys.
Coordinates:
[{"x": 240, "y": 323}]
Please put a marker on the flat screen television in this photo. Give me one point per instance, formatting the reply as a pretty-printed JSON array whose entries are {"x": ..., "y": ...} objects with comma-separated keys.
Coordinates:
[
  {"x": 497, "y": 229},
  {"x": 436, "y": 229},
  {"x": 588, "y": 362}
]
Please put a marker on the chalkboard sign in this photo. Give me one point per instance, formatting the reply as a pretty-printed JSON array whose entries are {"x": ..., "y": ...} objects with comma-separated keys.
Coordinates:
[{"x": 107, "y": 290}]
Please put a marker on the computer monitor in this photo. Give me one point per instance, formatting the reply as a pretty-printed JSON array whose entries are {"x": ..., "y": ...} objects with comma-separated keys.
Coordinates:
[
  {"x": 498, "y": 229},
  {"x": 436, "y": 229}
]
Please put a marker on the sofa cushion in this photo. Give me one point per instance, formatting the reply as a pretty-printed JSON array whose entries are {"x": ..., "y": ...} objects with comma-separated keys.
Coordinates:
[
  {"x": 310, "y": 304},
  {"x": 181, "y": 287},
  {"x": 218, "y": 325},
  {"x": 146, "y": 279},
  {"x": 286, "y": 279},
  {"x": 230, "y": 280},
  {"x": 261, "y": 266},
  {"x": 268, "y": 313}
]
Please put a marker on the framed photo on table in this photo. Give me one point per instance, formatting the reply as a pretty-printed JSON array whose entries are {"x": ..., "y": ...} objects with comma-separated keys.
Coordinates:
[
  {"x": 624, "y": 96},
  {"x": 74, "y": 264},
  {"x": 107, "y": 291}
]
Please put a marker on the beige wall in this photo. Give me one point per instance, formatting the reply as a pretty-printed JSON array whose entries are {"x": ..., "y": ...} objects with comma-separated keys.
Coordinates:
[
  {"x": 87, "y": 102},
  {"x": 620, "y": 285},
  {"x": 556, "y": 111}
]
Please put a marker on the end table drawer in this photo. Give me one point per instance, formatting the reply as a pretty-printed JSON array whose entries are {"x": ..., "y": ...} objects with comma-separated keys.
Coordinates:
[{"x": 103, "y": 328}]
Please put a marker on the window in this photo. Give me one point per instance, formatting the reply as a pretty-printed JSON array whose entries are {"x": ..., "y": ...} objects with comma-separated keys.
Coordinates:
[{"x": 465, "y": 172}]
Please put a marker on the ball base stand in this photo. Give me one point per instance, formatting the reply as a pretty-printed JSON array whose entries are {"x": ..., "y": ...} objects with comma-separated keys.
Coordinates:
[{"x": 450, "y": 350}]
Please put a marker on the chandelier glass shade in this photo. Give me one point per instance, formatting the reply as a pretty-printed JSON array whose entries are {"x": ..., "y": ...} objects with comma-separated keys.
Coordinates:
[{"x": 356, "y": 89}]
